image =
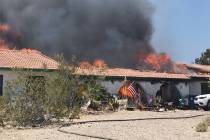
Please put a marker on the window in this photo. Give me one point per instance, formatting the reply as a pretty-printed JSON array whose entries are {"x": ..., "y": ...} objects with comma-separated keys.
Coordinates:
[
  {"x": 1, "y": 85},
  {"x": 205, "y": 88}
]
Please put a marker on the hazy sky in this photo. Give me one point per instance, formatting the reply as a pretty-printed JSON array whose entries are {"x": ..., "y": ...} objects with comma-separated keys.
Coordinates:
[{"x": 181, "y": 28}]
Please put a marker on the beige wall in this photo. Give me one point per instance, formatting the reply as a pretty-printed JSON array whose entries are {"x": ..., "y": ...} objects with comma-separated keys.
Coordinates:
[
  {"x": 149, "y": 88},
  {"x": 195, "y": 87},
  {"x": 9, "y": 75},
  {"x": 192, "y": 87},
  {"x": 183, "y": 88}
]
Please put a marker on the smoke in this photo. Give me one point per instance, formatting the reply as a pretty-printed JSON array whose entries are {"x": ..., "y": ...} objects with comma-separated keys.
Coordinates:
[{"x": 116, "y": 31}]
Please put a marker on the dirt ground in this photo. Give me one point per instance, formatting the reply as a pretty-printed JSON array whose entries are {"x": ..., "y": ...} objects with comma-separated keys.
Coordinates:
[{"x": 141, "y": 128}]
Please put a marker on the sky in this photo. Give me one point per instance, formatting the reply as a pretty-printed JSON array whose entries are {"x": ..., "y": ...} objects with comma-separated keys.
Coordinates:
[{"x": 181, "y": 28}]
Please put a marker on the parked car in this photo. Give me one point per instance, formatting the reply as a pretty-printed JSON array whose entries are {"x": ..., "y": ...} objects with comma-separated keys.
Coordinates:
[{"x": 203, "y": 101}]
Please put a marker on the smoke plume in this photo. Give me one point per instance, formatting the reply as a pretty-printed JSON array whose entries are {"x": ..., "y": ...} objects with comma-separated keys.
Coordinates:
[{"x": 116, "y": 31}]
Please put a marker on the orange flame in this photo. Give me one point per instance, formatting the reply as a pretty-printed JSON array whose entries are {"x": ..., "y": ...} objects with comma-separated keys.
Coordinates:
[
  {"x": 100, "y": 63},
  {"x": 29, "y": 50},
  {"x": 124, "y": 91},
  {"x": 4, "y": 28},
  {"x": 3, "y": 45},
  {"x": 85, "y": 65},
  {"x": 96, "y": 64},
  {"x": 157, "y": 60}
]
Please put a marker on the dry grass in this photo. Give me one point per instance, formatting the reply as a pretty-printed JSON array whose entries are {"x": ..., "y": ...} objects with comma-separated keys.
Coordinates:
[
  {"x": 201, "y": 127},
  {"x": 207, "y": 121}
]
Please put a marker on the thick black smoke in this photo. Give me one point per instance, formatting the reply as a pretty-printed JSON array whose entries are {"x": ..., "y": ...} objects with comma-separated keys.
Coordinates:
[{"x": 113, "y": 30}]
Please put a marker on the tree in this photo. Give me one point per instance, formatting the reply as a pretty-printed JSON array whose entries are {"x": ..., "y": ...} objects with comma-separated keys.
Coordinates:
[
  {"x": 33, "y": 99},
  {"x": 25, "y": 98},
  {"x": 204, "y": 59}
]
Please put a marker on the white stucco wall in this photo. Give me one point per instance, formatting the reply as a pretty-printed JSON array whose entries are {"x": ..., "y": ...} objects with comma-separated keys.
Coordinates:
[
  {"x": 112, "y": 88},
  {"x": 148, "y": 87},
  {"x": 183, "y": 88},
  {"x": 195, "y": 87},
  {"x": 189, "y": 88}
]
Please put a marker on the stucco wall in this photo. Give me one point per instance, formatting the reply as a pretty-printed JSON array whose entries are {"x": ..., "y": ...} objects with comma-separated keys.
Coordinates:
[
  {"x": 183, "y": 87},
  {"x": 149, "y": 88},
  {"x": 192, "y": 87},
  {"x": 195, "y": 87},
  {"x": 112, "y": 87},
  {"x": 9, "y": 75}
]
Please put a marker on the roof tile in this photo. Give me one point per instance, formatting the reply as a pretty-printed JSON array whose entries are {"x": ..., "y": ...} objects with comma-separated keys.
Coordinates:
[{"x": 25, "y": 59}]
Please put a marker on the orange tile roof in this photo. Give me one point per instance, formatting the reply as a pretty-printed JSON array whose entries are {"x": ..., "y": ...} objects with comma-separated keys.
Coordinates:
[
  {"x": 199, "y": 76},
  {"x": 119, "y": 72},
  {"x": 30, "y": 59},
  {"x": 201, "y": 68}
]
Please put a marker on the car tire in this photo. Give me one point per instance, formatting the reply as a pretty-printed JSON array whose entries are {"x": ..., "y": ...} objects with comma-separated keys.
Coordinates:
[{"x": 207, "y": 108}]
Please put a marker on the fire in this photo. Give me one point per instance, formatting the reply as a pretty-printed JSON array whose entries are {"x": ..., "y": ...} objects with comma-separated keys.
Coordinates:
[
  {"x": 29, "y": 50},
  {"x": 4, "y": 28},
  {"x": 98, "y": 63},
  {"x": 124, "y": 91},
  {"x": 85, "y": 65},
  {"x": 3, "y": 45},
  {"x": 8, "y": 38},
  {"x": 157, "y": 60}
]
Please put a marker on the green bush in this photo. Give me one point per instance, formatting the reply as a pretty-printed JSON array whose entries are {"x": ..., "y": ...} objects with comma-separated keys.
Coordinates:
[
  {"x": 33, "y": 100},
  {"x": 64, "y": 92},
  {"x": 25, "y": 98},
  {"x": 95, "y": 105},
  {"x": 114, "y": 105},
  {"x": 202, "y": 127}
]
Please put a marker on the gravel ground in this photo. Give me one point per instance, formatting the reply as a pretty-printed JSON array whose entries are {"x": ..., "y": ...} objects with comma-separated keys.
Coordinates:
[{"x": 179, "y": 129}]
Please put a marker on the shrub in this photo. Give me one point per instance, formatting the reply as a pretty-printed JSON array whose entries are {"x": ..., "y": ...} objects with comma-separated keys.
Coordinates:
[
  {"x": 95, "y": 105},
  {"x": 114, "y": 105},
  {"x": 25, "y": 98},
  {"x": 201, "y": 127},
  {"x": 207, "y": 120},
  {"x": 92, "y": 89},
  {"x": 30, "y": 99},
  {"x": 2, "y": 111}
]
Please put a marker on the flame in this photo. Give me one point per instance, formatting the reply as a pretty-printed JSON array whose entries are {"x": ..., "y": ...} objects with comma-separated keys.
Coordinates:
[
  {"x": 100, "y": 63},
  {"x": 29, "y": 50},
  {"x": 4, "y": 28},
  {"x": 157, "y": 60},
  {"x": 181, "y": 67},
  {"x": 3, "y": 45},
  {"x": 7, "y": 36},
  {"x": 85, "y": 65},
  {"x": 124, "y": 91}
]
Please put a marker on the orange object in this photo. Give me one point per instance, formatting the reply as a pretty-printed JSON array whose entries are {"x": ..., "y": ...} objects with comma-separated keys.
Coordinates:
[{"x": 124, "y": 91}]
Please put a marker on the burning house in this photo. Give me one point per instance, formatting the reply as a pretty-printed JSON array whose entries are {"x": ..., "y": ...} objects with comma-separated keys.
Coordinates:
[
  {"x": 23, "y": 59},
  {"x": 108, "y": 33},
  {"x": 172, "y": 85}
]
